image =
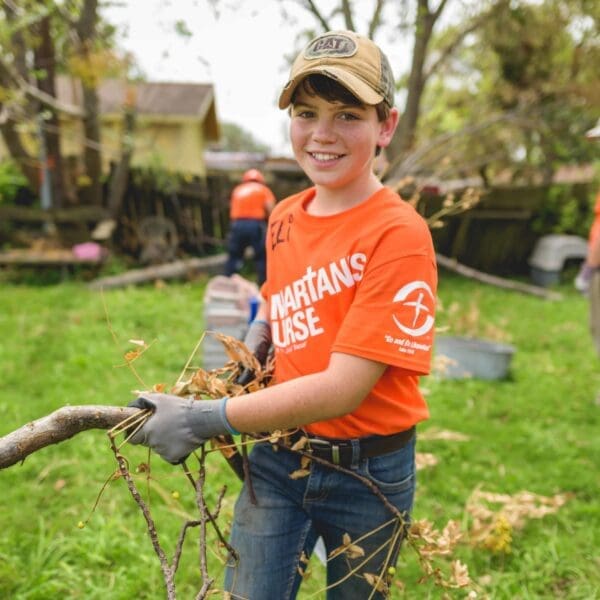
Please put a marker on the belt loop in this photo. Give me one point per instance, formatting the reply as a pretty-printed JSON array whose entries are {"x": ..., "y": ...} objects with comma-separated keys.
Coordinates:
[
  {"x": 335, "y": 454},
  {"x": 355, "y": 453}
]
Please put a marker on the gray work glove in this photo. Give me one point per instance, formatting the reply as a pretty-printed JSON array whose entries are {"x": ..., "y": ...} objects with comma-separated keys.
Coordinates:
[
  {"x": 584, "y": 278},
  {"x": 179, "y": 425},
  {"x": 258, "y": 340}
]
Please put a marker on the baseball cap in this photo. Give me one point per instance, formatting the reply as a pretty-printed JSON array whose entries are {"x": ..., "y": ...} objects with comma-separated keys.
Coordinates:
[
  {"x": 352, "y": 60},
  {"x": 594, "y": 132}
]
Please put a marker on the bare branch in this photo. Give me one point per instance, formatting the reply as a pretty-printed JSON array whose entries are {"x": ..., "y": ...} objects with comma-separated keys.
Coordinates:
[
  {"x": 508, "y": 284},
  {"x": 57, "y": 427},
  {"x": 376, "y": 18},
  {"x": 311, "y": 7},
  {"x": 9, "y": 76},
  {"x": 347, "y": 12},
  {"x": 471, "y": 26}
]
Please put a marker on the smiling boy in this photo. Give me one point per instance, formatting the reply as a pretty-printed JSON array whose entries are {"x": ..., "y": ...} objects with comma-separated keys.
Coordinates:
[{"x": 349, "y": 304}]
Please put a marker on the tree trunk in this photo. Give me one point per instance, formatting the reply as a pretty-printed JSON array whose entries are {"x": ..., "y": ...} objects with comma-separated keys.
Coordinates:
[
  {"x": 86, "y": 30},
  {"x": 120, "y": 176},
  {"x": 19, "y": 154},
  {"x": 92, "y": 194},
  {"x": 11, "y": 137},
  {"x": 44, "y": 64},
  {"x": 404, "y": 137}
]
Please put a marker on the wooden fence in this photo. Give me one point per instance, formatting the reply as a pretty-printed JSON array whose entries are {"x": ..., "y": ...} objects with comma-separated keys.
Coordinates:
[{"x": 497, "y": 236}]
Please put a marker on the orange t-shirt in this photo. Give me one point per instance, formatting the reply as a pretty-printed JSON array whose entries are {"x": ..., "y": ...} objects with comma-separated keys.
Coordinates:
[
  {"x": 361, "y": 282},
  {"x": 595, "y": 229},
  {"x": 251, "y": 200}
]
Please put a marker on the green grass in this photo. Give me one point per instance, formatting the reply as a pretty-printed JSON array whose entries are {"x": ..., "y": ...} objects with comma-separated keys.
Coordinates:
[{"x": 536, "y": 431}]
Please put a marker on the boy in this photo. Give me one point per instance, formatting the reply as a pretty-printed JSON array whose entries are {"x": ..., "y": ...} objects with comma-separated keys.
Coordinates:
[{"x": 349, "y": 308}]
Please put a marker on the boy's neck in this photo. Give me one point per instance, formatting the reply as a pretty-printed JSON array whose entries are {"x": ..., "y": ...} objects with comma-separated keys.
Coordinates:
[{"x": 328, "y": 201}]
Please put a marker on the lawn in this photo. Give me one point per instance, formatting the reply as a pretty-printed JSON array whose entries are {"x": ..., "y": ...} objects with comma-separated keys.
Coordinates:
[{"x": 536, "y": 431}]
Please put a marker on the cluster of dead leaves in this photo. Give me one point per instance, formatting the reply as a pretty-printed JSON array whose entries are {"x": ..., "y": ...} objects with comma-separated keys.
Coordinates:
[
  {"x": 431, "y": 543},
  {"x": 493, "y": 528}
]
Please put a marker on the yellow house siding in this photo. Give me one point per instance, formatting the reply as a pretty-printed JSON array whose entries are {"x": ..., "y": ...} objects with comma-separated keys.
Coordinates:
[{"x": 173, "y": 124}]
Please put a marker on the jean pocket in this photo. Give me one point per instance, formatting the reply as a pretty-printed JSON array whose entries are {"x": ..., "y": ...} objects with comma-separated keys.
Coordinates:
[{"x": 393, "y": 473}]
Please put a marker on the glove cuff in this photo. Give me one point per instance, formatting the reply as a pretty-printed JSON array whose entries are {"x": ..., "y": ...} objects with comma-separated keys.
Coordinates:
[
  {"x": 223, "y": 408},
  {"x": 207, "y": 418}
]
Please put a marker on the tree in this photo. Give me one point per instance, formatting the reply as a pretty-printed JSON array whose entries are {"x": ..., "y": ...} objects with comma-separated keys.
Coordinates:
[
  {"x": 236, "y": 139},
  {"x": 531, "y": 74},
  {"x": 65, "y": 38}
]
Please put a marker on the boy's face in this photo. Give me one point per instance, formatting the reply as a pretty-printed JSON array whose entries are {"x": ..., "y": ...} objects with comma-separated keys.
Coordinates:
[{"x": 335, "y": 143}]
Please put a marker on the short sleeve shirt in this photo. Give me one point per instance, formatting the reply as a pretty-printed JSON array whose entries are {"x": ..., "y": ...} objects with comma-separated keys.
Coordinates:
[
  {"x": 360, "y": 282},
  {"x": 251, "y": 200}
]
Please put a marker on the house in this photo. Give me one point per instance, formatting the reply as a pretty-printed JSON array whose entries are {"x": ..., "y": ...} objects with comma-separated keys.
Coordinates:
[{"x": 174, "y": 123}]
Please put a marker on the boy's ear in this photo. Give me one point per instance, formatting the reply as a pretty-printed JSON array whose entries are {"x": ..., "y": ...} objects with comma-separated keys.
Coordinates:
[{"x": 387, "y": 128}]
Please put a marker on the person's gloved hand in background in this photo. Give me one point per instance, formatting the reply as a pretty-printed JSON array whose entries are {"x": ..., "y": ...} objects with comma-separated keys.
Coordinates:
[
  {"x": 584, "y": 277},
  {"x": 258, "y": 341},
  {"x": 179, "y": 425}
]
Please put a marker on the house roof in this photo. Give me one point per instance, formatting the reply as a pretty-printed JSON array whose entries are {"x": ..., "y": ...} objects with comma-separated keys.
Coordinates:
[
  {"x": 184, "y": 100},
  {"x": 181, "y": 99}
]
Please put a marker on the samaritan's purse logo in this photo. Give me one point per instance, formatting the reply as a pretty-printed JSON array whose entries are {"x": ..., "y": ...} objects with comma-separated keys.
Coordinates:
[{"x": 412, "y": 295}]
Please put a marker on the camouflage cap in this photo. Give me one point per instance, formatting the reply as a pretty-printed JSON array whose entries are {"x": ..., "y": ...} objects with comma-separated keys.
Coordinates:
[{"x": 352, "y": 60}]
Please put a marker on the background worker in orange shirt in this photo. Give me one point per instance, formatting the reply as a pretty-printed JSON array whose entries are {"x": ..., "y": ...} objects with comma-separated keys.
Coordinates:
[
  {"x": 250, "y": 205},
  {"x": 588, "y": 280}
]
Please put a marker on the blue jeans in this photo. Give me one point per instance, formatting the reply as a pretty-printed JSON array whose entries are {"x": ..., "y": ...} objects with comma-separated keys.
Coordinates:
[
  {"x": 246, "y": 233},
  {"x": 271, "y": 536}
]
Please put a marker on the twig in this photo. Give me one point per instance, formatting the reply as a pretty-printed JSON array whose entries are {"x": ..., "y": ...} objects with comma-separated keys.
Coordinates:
[{"x": 167, "y": 571}]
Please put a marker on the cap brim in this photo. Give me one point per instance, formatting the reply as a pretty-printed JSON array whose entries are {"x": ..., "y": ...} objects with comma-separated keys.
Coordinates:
[
  {"x": 364, "y": 92},
  {"x": 593, "y": 133}
]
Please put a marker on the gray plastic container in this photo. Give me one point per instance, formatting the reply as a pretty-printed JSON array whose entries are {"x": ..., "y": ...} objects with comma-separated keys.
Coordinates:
[{"x": 474, "y": 357}]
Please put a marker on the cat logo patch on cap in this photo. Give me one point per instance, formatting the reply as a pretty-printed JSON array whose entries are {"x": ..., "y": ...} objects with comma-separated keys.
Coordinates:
[{"x": 340, "y": 46}]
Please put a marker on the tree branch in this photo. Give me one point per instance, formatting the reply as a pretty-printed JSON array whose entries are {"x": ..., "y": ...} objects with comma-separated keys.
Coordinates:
[
  {"x": 375, "y": 21},
  {"x": 311, "y": 7},
  {"x": 57, "y": 427},
  {"x": 449, "y": 49},
  {"x": 508, "y": 284}
]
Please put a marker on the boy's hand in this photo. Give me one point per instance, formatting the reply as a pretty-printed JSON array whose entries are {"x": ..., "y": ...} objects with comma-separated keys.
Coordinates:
[{"x": 179, "y": 425}]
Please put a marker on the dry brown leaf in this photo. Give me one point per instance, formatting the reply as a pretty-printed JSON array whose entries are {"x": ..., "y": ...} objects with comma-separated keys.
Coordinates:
[
  {"x": 424, "y": 460},
  {"x": 275, "y": 436},
  {"x": 496, "y": 516},
  {"x": 299, "y": 474},
  {"x": 460, "y": 574},
  {"x": 304, "y": 462},
  {"x": 376, "y": 582},
  {"x": 132, "y": 355},
  {"x": 442, "y": 434},
  {"x": 352, "y": 551},
  {"x": 300, "y": 444}
]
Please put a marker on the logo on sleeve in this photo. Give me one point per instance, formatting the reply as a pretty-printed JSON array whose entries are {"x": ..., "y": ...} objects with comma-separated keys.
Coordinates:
[{"x": 416, "y": 300}]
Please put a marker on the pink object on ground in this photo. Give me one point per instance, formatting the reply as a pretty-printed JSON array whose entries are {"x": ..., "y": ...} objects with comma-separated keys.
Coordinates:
[{"x": 88, "y": 251}]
